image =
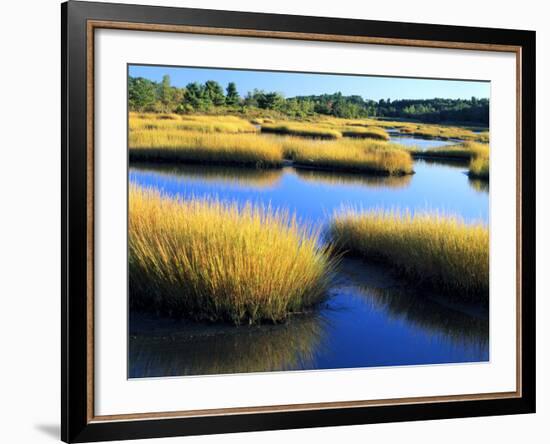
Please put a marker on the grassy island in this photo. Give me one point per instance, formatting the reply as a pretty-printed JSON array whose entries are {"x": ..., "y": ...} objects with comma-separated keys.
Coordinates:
[
  {"x": 161, "y": 122},
  {"x": 439, "y": 251},
  {"x": 479, "y": 168},
  {"x": 228, "y": 140},
  {"x": 461, "y": 151},
  {"x": 216, "y": 148},
  {"x": 213, "y": 261},
  {"x": 477, "y": 154},
  {"x": 443, "y": 132},
  {"x": 302, "y": 129},
  {"x": 350, "y": 155}
]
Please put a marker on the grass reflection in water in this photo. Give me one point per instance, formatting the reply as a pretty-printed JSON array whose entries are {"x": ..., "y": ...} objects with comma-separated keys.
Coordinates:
[
  {"x": 234, "y": 176},
  {"x": 339, "y": 178},
  {"x": 171, "y": 347},
  {"x": 176, "y": 348}
]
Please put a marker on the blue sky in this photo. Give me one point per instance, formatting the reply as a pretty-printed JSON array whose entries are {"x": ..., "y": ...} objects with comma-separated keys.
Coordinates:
[{"x": 294, "y": 84}]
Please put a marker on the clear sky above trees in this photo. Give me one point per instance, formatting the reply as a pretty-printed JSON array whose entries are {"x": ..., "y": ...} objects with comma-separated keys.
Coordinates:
[
  {"x": 299, "y": 84},
  {"x": 206, "y": 92}
]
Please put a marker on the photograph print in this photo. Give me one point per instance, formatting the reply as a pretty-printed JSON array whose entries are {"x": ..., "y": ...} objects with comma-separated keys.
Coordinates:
[{"x": 290, "y": 221}]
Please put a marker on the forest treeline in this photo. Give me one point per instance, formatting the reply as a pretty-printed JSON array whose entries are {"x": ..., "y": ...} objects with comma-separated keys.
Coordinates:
[{"x": 145, "y": 95}]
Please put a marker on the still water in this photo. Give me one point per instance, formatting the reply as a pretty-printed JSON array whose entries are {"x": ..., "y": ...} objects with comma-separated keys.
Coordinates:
[
  {"x": 370, "y": 318},
  {"x": 418, "y": 142},
  {"x": 314, "y": 195}
]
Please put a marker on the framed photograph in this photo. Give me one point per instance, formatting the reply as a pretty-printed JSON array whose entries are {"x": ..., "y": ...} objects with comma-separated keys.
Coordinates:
[{"x": 275, "y": 221}]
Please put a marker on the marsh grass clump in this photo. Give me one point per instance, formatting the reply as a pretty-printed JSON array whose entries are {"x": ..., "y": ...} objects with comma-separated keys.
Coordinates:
[
  {"x": 477, "y": 154},
  {"x": 181, "y": 146},
  {"x": 479, "y": 167},
  {"x": 196, "y": 123},
  {"x": 420, "y": 129},
  {"x": 443, "y": 132},
  {"x": 437, "y": 251},
  {"x": 354, "y": 155},
  {"x": 483, "y": 137},
  {"x": 461, "y": 151},
  {"x": 301, "y": 129},
  {"x": 349, "y": 155},
  {"x": 373, "y": 132},
  {"x": 215, "y": 261}
]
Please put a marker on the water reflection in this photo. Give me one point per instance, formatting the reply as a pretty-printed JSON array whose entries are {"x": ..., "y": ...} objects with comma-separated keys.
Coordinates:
[
  {"x": 164, "y": 347},
  {"x": 432, "y": 317},
  {"x": 314, "y": 195},
  {"x": 479, "y": 185},
  {"x": 457, "y": 164},
  {"x": 428, "y": 311},
  {"x": 339, "y": 178},
  {"x": 212, "y": 174},
  {"x": 418, "y": 142},
  {"x": 370, "y": 319}
]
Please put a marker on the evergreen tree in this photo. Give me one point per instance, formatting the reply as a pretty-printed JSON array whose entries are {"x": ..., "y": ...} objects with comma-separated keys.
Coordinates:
[
  {"x": 194, "y": 93},
  {"x": 272, "y": 100},
  {"x": 214, "y": 93},
  {"x": 232, "y": 95}
]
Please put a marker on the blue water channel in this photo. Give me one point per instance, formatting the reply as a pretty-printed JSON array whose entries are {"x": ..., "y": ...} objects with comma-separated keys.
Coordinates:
[{"x": 371, "y": 318}]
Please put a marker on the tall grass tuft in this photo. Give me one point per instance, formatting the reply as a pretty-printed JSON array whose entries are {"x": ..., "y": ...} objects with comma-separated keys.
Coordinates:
[
  {"x": 349, "y": 155},
  {"x": 461, "y": 151},
  {"x": 443, "y": 132},
  {"x": 180, "y": 146},
  {"x": 430, "y": 249},
  {"x": 214, "y": 261},
  {"x": 197, "y": 123},
  {"x": 372, "y": 132},
  {"x": 479, "y": 168},
  {"x": 483, "y": 137},
  {"x": 429, "y": 131},
  {"x": 301, "y": 129},
  {"x": 476, "y": 153}
]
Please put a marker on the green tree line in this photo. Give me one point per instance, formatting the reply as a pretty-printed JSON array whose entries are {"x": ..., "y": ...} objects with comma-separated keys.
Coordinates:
[{"x": 145, "y": 95}]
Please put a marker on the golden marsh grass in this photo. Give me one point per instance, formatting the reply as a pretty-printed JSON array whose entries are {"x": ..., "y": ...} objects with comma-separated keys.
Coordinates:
[
  {"x": 461, "y": 151},
  {"x": 349, "y": 155},
  {"x": 181, "y": 146},
  {"x": 419, "y": 129},
  {"x": 476, "y": 153},
  {"x": 324, "y": 128},
  {"x": 163, "y": 138},
  {"x": 217, "y": 261},
  {"x": 301, "y": 129},
  {"x": 373, "y": 132},
  {"x": 440, "y": 251},
  {"x": 195, "y": 123},
  {"x": 479, "y": 167},
  {"x": 443, "y": 132}
]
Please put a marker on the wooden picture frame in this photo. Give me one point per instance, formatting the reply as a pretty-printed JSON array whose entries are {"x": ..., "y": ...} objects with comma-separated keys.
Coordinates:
[{"x": 79, "y": 22}]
